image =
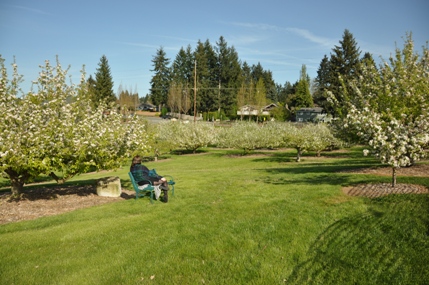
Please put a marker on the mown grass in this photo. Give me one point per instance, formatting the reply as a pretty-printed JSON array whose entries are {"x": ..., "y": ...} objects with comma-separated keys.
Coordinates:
[{"x": 258, "y": 219}]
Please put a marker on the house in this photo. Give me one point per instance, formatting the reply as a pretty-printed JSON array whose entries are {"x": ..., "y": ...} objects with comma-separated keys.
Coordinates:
[
  {"x": 147, "y": 107},
  {"x": 267, "y": 109},
  {"x": 249, "y": 110},
  {"x": 315, "y": 114}
]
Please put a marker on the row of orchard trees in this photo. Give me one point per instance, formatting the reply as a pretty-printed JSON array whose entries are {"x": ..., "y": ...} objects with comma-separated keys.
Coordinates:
[
  {"x": 56, "y": 131},
  {"x": 249, "y": 136},
  {"x": 385, "y": 108}
]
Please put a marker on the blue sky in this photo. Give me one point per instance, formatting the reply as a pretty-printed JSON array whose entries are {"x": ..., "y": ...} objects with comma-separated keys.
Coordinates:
[{"x": 282, "y": 35}]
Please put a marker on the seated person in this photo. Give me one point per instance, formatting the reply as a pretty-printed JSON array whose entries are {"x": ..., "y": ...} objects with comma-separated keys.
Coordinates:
[{"x": 141, "y": 174}]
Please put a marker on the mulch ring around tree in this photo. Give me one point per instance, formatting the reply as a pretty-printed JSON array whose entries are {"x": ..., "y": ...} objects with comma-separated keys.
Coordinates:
[
  {"x": 382, "y": 189},
  {"x": 48, "y": 201}
]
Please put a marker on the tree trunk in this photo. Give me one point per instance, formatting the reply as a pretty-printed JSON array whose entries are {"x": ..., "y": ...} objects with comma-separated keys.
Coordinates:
[
  {"x": 393, "y": 176},
  {"x": 17, "y": 181},
  {"x": 298, "y": 156},
  {"x": 17, "y": 187}
]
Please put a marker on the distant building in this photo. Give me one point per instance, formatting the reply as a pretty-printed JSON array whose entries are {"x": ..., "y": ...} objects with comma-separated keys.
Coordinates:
[
  {"x": 249, "y": 110},
  {"x": 147, "y": 107},
  {"x": 315, "y": 114}
]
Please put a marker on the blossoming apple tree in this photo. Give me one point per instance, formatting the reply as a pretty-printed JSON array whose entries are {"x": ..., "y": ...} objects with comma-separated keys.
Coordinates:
[
  {"x": 390, "y": 110},
  {"x": 187, "y": 135},
  {"x": 55, "y": 132}
]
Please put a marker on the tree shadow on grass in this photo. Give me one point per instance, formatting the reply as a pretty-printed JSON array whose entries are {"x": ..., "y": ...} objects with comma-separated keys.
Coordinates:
[
  {"x": 52, "y": 191},
  {"x": 386, "y": 245},
  {"x": 326, "y": 173}
]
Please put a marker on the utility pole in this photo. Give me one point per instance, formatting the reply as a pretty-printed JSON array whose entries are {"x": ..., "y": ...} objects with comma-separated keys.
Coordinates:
[{"x": 195, "y": 91}]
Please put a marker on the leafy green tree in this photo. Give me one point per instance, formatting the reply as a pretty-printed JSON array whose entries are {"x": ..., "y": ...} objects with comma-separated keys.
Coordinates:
[
  {"x": 241, "y": 97},
  {"x": 260, "y": 95},
  {"x": 127, "y": 99},
  {"x": 103, "y": 89},
  {"x": 175, "y": 97},
  {"x": 160, "y": 82}
]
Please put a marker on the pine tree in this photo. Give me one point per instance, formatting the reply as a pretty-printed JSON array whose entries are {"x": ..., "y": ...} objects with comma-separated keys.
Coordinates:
[
  {"x": 161, "y": 80},
  {"x": 103, "y": 88},
  {"x": 205, "y": 96},
  {"x": 302, "y": 95},
  {"x": 270, "y": 86},
  {"x": 91, "y": 90},
  {"x": 182, "y": 74},
  {"x": 229, "y": 73},
  {"x": 345, "y": 64},
  {"x": 322, "y": 83}
]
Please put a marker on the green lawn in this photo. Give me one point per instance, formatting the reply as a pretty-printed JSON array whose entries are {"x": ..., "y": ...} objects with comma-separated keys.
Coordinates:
[{"x": 258, "y": 219}]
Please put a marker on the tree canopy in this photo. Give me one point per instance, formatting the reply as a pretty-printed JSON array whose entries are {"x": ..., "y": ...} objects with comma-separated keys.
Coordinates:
[
  {"x": 389, "y": 107},
  {"x": 55, "y": 131}
]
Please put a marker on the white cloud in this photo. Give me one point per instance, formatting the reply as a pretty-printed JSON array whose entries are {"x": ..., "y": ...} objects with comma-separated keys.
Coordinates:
[
  {"x": 326, "y": 42},
  {"x": 37, "y": 11},
  {"x": 311, "y": 37}
]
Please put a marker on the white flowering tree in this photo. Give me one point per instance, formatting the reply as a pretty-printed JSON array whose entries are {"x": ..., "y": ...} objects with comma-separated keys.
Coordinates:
[
  {"x": 188, "y": 135},
  {"x": 55, "y": 132},
  {"x": 390, "y": 112},
  {"x": 249, "y": 136},
  {"x": 321, "y": 138},
  {"x": 298, "y": 137},
  {"x": 308, "y": 137}
]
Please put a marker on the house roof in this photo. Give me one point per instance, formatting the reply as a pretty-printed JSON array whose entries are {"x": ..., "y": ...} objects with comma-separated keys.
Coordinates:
[
  {"x": 312, "y": 110},
  {"x": 252, "y": 107}
]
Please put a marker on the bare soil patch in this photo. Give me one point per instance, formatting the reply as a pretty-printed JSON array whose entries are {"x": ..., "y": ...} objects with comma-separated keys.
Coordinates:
[{"x": 48, "y": 201}]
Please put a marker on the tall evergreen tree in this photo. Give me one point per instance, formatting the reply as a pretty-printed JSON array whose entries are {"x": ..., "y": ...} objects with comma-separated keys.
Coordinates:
[
  {"x": 212, "y": 84},
  {"x": 182, "y": 74},
  {"x": 246, "y": 72},
  {"x": 344, "y": 66},
  {"x": 322, "y": 83},
  {"x": 229, "y": 73},
  {"x": 183, "y": 66},
  {"x": 103, "y": 88},
  {"x": 257, "y": 72},
  {"x": 161, "y": 80},
  {"x": 205, "y": 97},
  {"x": 91, "y": 90},
  {"x": 302, "y": 95},
  {"x": 270, "y": 86}
]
